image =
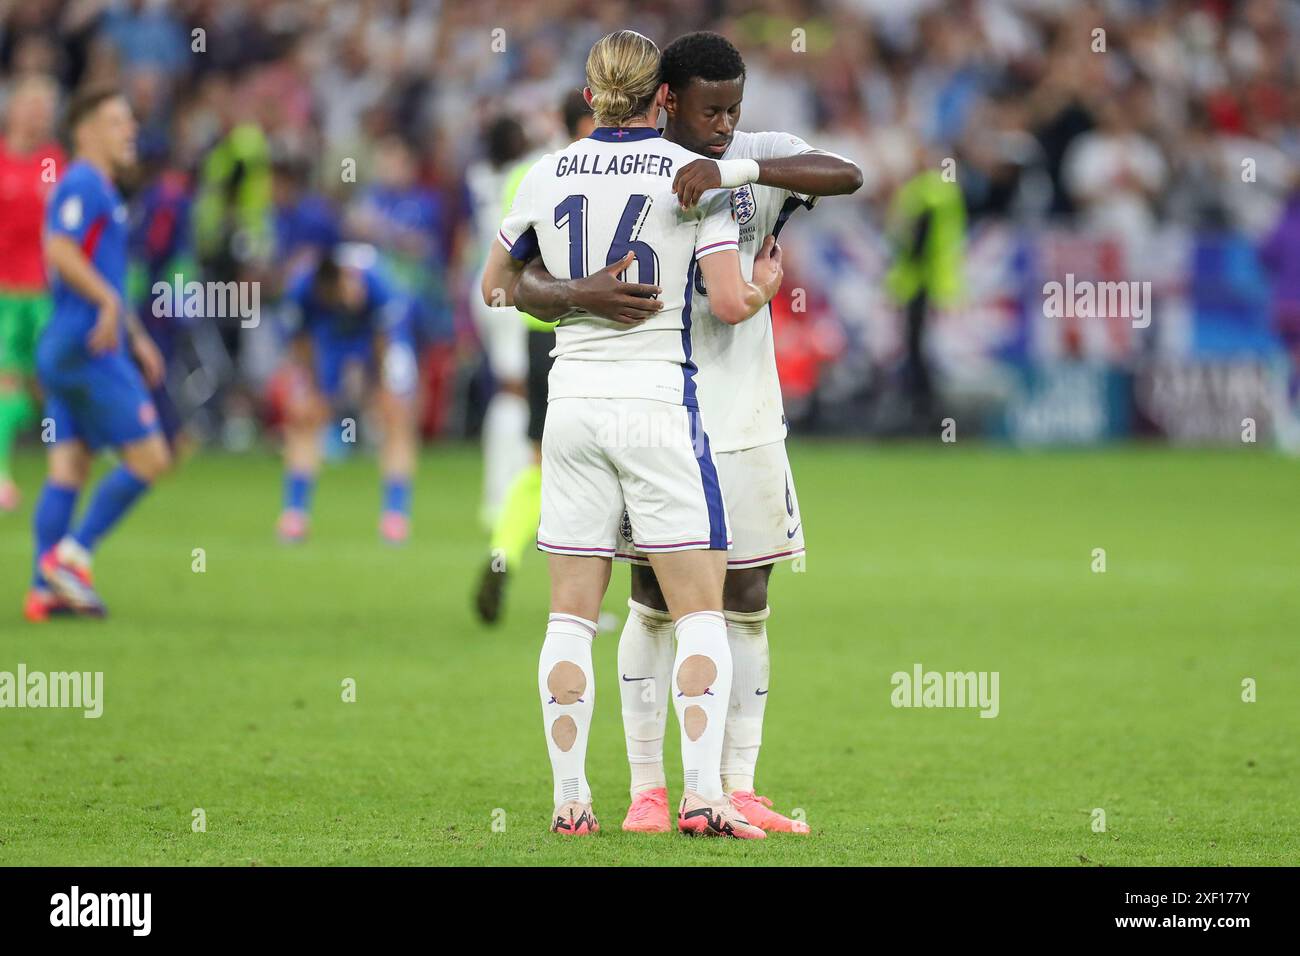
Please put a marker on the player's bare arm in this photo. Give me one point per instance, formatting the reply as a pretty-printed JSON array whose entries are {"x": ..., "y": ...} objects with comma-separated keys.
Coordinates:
[
  {"x": 69, "y": 263},
  {"x": 307, "y": 404},
  {"x": 601, "y": 294},
  {"x": 303, "y": 354},
  {"x": 809, "y": 174},
  {"x": 499, "y": 277},
  {"x": 733, "y": 299}
]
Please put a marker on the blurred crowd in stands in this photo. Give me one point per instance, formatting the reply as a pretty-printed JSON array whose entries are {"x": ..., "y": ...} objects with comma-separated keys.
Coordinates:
[{"x": 273, "y": 129}]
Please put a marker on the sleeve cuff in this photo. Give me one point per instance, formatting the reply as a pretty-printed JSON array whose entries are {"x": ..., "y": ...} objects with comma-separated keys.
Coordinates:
[
  {"x": 713, "y": 247},
  {"x": 523, "y": 248}
]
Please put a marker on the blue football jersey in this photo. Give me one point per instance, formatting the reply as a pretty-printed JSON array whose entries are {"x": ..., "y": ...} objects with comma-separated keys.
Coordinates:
[{"x": 87, "y": 208}]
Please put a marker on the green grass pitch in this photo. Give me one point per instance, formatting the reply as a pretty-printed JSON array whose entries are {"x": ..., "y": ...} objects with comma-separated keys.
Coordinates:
[{"x": 1119, "y": 691}]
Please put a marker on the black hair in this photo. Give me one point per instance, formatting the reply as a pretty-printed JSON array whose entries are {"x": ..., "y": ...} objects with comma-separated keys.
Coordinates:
[
  {"x": 703, "y": 55},
  {"x": 574, "y": 109},
  {"x": 505, "y": 140},
  {"x": 325, "y": 281}
]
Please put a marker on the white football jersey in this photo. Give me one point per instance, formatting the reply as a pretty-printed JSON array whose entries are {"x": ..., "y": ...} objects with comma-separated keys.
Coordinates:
[
  {"x": 587, "y": 206},
  {"x": 739, "y": 391}
]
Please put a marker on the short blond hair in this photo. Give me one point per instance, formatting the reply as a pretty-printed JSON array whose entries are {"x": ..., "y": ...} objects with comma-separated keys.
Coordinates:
[{"x": 623, "y": 75}]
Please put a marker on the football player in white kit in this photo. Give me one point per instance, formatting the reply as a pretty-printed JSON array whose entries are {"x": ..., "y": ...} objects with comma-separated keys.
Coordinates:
[
  {"x": 771, "y": 175},
  {"x": 623, "y": 430}
]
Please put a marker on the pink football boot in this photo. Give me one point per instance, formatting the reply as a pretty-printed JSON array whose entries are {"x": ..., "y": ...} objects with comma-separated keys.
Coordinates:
[
  {"x": 292, "y": 526},
  {"x": 394, "y": 527},
  {"x": 698, "y": 816},
  {"x": 757, "y": 811},
  {"x": 574, "y": 819},
  {"x": 649, "y": 812}
]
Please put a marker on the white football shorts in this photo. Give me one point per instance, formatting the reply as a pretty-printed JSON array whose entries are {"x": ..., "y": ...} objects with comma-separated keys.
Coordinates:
[
  {"x": 607, "y": 457},
  {"x": 761, "y": 505}
]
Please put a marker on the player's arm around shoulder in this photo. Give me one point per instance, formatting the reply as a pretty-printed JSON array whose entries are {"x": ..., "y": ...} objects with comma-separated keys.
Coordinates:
[
  {"x": 786, "y": 161},
  {"x": 602, "y": 294},
  {"x": 779, "y": 160},
  {"x": 516, "y": 239},
  {"x": 502, "y": 272}
]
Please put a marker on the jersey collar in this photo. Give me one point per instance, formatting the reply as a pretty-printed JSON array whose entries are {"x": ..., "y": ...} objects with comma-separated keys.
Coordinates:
[{"x": 623, "y": 134}]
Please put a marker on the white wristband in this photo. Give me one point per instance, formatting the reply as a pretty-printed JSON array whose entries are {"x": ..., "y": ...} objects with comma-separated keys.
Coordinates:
[{"x": 737, "y": 172}]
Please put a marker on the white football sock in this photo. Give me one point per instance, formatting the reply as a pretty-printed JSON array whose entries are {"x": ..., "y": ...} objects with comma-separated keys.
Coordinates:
[
  {"x": 567, "y": 684},
  {"x": 506, "y": 450},
  {"x": 747, "y": 636},
  {"x": 645, "y": 668},
  {"x": 701, "y": 692}
]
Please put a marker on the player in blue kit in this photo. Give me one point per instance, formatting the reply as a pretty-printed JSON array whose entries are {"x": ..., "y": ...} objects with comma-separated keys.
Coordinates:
[
  {"x": 344, "y": 312},
  {"x": 95, "y": 395}
]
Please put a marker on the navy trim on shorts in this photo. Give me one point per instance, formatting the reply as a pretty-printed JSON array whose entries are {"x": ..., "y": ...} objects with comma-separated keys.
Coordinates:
[{"x": 699, "y": 437}]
